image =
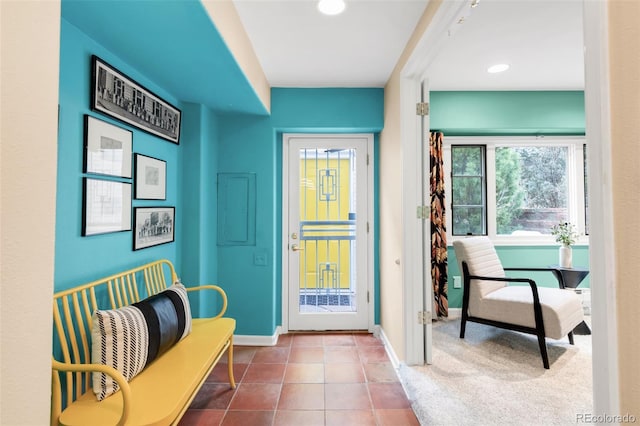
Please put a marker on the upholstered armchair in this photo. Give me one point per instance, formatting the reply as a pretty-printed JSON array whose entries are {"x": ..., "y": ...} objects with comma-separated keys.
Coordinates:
[{"x": 489, "y": 298}]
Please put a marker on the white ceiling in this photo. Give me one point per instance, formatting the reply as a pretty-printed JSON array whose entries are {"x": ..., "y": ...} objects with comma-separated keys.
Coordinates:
[
  {"x": 541, "y": 40},
  {"x": 299, "y": 47}
]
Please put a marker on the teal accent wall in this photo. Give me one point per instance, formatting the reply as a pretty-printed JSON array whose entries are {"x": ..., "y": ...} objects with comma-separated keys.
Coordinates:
[
  {"x": 173, "y": 43},
  {"x": 196, "y": 237},
  {"x": 246, "y": 147},
  {"x": 251, "y": 144},
  {"x": 191, "y": 187},
  {"x": 80, "y": 259},
  {"x": 330, "y": 110},
  {"x": 523, "y": 113},
  {"x": 212, "y": 141}
]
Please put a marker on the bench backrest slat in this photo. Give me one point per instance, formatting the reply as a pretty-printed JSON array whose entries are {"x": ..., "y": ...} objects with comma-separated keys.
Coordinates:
[
  {"x": 72, "y": 318},
  {"x": 82, "y": 312},
  {"x": 154, "y": 279}
]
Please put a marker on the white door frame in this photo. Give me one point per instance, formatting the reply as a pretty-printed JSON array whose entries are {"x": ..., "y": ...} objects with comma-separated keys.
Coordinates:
[
  {"x": 412, "y": 75},
  {"x": 606, "y": 393},
  {"x": 601, "y": 250},
  {"x": 285, "y": 222}
]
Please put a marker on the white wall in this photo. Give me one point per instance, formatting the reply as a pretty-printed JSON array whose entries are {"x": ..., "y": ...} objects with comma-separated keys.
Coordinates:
[
  {"x": 30, "y": 34},
  {"x": 226, "y": 19},
  {"x": 391, "y": 205}
]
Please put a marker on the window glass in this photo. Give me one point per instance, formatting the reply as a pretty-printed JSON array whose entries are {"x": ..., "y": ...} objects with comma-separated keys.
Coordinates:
[
  {"x": 531, "y": 188},
  {"x": 468, "y": 194}
]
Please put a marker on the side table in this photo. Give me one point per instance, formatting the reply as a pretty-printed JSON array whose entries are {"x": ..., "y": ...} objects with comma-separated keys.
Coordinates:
[{"x": 570, "y": 278}]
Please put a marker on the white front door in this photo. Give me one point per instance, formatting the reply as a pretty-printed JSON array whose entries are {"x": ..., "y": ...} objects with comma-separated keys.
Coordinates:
[{"x": 326, "y": 236}]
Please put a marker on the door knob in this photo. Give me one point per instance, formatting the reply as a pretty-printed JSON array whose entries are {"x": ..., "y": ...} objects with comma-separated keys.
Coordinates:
[{"x": 295, "y": 247}]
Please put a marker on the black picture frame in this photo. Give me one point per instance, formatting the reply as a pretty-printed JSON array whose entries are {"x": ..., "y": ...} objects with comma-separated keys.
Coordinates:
[
  {"x": 153, "y": 226},
  {"x": 107, "y": 148},
  {"x": 106, "y": 206},
  {"x": 116, "y": 95},
  {"x": 150, "y": 178}
]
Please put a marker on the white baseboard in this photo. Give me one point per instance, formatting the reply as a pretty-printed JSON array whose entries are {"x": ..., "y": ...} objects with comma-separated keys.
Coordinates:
[
  {"x": 248, "y": 340},
  {"x": 395, "y": 361},
  {"x": 454, "y": 314}
]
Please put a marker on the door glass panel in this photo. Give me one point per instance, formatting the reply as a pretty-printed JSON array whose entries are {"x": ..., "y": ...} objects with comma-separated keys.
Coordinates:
[{"x": 327, "y": 230}]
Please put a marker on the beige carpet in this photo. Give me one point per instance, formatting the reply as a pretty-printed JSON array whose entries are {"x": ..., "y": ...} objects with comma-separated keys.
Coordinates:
[{"x": 495, "y": 377}]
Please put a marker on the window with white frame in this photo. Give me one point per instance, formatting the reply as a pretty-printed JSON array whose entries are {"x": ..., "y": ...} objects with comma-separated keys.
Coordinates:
[
  {"x": 514, "y": 189},
  {"x": 468, "y": 190}
]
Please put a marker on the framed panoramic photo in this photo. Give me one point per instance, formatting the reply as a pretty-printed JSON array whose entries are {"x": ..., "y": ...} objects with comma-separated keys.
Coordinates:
[
  {"x": 151, "y": 178},
  {"x": 154, "y": 226},
  {"x": 107, "y": 148},
  {"x": 118, "y": 96},
  {"x": 106, "y": 206}
]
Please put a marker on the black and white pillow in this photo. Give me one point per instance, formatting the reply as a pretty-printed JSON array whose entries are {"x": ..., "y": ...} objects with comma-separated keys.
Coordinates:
[{"x": 130, "y": 338}]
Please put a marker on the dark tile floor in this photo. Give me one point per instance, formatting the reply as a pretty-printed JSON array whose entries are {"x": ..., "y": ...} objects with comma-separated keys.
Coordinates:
[{"x": 306, "y": 380}]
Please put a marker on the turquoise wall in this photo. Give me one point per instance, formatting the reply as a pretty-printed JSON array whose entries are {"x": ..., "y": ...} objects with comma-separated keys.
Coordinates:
[
  {"x": 254, "y": 144},
  {"x": 480, "y": 113},
  {"x": 197, "y": 160},
  {"x": 211, "y": 142},
  {"x": 173, "y": 43},
  {"x": 191, "y": 187},
  {"x": 79, "y": 259}
]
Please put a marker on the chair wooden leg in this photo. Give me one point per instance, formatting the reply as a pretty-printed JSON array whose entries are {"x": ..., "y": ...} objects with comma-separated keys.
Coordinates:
[
  {"x": 543, "y": 350},
  {"x": 463, "y": 324},
  {"x": 571, "y": 337}
]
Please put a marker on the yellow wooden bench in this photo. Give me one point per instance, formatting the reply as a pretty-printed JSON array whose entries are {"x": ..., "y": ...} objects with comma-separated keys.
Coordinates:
[{"x": 162, "y": 392}]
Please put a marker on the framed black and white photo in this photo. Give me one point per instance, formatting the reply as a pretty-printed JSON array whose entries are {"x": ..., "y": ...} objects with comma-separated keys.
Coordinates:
[
  {"x": 118, "y": 96},
  {"x": 107, "y": 148},
  {"x": 151, "y": 178},
  {"x": 154, "y": 226},
  {"x": 106, "y": 206}
]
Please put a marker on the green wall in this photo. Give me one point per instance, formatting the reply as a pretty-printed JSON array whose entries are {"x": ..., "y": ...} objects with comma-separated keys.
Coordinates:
[
  {"x": 503, "y": 113},
  {"x": 480, "y": 113}
]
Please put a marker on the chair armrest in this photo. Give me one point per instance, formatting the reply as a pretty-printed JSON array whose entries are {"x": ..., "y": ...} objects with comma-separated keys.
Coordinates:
[
  {"x": 555, "y": 271},
  {"x": 503, "y": 279},
  {"x": 100, "y": 368},
  {"x": 532, "y": 284},
  {"x": 215, "y": 288}
]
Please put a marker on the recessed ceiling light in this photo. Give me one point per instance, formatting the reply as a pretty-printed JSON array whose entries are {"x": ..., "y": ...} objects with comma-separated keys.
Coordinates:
[
  {"x": 497, "y": 68},
  {"x": 331, "y": 7}
]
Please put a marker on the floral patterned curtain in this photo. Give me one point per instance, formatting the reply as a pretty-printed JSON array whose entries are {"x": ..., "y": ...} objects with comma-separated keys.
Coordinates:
[{"x": 438, "y": 226}]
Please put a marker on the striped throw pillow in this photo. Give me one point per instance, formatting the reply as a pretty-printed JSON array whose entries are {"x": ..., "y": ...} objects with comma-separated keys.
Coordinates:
[{"x": 130, "y": 338}]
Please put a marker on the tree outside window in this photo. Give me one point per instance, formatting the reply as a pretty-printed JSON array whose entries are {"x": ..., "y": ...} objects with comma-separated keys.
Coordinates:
[{"x": 531, "y": 188}]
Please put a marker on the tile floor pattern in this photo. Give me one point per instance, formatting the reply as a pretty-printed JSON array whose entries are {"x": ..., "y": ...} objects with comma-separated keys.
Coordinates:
[{"x": 306, "y": 380}]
